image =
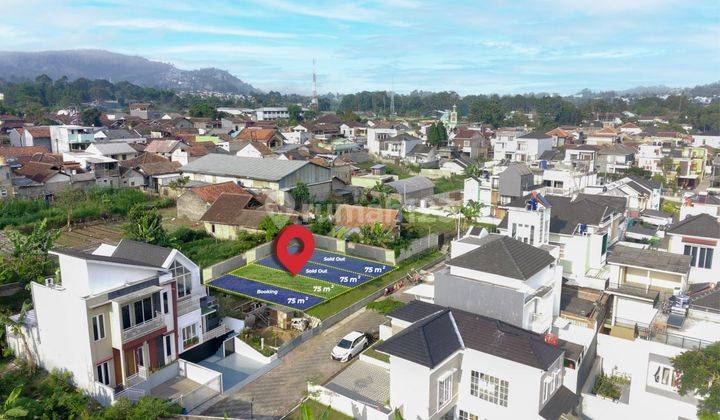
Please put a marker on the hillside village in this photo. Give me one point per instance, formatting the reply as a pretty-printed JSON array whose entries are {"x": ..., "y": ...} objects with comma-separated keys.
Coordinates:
[{"x": 521, "y": 271}]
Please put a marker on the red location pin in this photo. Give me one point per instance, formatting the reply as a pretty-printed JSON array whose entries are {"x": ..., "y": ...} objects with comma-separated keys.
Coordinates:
[{"x": 294, "y": 262}]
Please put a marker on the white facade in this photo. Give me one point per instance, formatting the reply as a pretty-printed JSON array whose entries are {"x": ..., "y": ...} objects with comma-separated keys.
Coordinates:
[
  {"x": 375, "y": 135},
  {"x": 65, "y": 138},
  {"x": 272, "y": 113},
  {"x": 648, "y": 157},
  {"x": 705, "y": 266}
]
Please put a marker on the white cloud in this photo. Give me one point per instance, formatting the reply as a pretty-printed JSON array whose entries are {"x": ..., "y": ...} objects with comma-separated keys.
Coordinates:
[{"x": 176, "y": 26}]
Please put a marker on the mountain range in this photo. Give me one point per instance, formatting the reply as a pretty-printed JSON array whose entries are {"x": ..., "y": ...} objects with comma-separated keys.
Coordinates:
[{"x": 101, "y": 64}]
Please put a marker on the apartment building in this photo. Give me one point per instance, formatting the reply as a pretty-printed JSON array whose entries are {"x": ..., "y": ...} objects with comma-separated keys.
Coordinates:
[
  {"x": 272, "y": 113},
  {"x": 447, "y": 363},
  {"x": 117, "y": 316}
]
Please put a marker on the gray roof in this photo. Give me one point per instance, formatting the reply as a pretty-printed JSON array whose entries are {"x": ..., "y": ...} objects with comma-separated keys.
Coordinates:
[
  {"x": 562, "y": 402},
  {"x": 647, "y": 183},
  {"x": 142, "y": 252},
  {"x": 119, "y": 133},
  {"x": 702, "y": 225},
  {"x": 520, "y": 168},
  {"x": 244, "y": 167},
  {"x": 617, "y": 149},
  {"x": 504, "y": 256},
  {"x": 114, "y": 148},
  {"x": 656, "y": 213},
  {"x": 537, "y": 134},
  {"x": 649, "y": 258},
  {"x": 568, "y": 213},
  {"x": 642, "y": 230},
  {"x": 103, "y": 258},
  {"x": 411, "y": 185},
  {"x": 437, "y": 332}
]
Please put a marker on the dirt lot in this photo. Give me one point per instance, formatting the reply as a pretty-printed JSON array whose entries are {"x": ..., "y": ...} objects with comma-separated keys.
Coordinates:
[{"x": 89, "y": 237}]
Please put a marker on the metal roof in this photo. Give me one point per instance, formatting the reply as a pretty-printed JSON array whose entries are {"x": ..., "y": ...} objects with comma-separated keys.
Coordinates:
[{"x": 244, "y": 167}]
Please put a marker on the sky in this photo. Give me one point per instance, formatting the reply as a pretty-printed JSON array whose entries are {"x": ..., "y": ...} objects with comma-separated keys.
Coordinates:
[{"x": 471, "y": 47}]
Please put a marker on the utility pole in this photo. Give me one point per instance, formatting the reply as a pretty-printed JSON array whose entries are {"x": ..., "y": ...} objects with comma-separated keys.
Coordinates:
[{"x": 314, "y": 103}]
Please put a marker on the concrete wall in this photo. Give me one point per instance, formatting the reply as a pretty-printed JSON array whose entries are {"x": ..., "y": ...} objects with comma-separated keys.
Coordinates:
[
  {"x": 418, "y": 246},
  {"x": 348, "y": 406},
  {"x": 191, "y": 206},
  {"x": 370, "y": 252},
  {"x": 223, "y": 267},
  {"x": 479, "y": 298}
]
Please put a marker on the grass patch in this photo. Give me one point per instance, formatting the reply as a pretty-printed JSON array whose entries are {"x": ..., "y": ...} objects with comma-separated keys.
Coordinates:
[
  {"x": 371, "y": 352},
  {"x": 205, "y": 250},
  {"x": 430, "y": 223},
  {"x": 283, "y": 279},
  {"x": 385, "y": 306},
  {"x": 451, "y": 183},
  {"x": 341, "y": 302},
  {"x": 317, "y": 410}
]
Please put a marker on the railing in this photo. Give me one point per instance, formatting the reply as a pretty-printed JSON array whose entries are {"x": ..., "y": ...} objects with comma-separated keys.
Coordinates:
[
  {"x": 132, "y": 394},
  {"x": 650, "y": 333},
  {"x": 146, "y": 327},
  {"x": 188, "y": 305},
  {"x": 215, "y": 332}
]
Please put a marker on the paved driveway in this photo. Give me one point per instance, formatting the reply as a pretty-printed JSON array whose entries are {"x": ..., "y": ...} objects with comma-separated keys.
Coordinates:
[{"x": 278, "y": 391}]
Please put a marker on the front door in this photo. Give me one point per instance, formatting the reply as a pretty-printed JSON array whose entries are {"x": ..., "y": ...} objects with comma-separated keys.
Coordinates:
[
  {"x": 139, "y": 359},
  {"x": 169, "y": 348}
]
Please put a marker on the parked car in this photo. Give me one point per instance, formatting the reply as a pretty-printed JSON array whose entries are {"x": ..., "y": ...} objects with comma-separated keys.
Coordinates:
[{"x": 350, "y": 346}]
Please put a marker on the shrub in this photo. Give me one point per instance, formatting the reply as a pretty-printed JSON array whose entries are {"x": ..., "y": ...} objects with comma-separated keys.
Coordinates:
[{"x": 385, "y": 306}]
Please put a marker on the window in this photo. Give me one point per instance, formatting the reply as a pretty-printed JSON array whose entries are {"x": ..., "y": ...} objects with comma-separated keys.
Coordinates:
[
  {"x": 166, "y": 303},
  {"x": 489, "y": 388},
  {"x": 98, "y": 325},
  {"x": 168, "y": 345},
  {"x": 464, "y": 415},
  {"x": 189, "y": 335},
  {"x": 103, "y": 373},
  {"x": 183, "y": 277},
  {"x": 444, "y": 390},
  {"x": 548, "y": 388},
  {"x": 700, "y": 257},
  {"x": 126, "y": 317},
  {"x": 143, "y": 310}
]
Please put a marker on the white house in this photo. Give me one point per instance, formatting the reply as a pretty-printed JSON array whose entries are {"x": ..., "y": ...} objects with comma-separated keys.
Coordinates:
[
  {"x": 377, "y": 133},
  {"x": 117, "y": 317},
  {"x": 524, "y": 148},
  {"x": 699, "y": 237},
  {"x": 700, "y": 203},
  {"x": 66, "y": 138}
]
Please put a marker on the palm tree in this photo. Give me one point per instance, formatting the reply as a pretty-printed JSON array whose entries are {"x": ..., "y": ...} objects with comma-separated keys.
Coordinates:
[
  {"x": 300, "y": 194},
  {"x": 465, "y": 214},
  {"x": 383, "y": 190},
  {"x": 16, "y": 328}
]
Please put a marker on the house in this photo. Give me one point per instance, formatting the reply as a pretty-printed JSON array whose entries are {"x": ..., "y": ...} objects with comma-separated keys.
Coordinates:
[
  {"x": 6, "y": 185},
  {"x": 397, "y": 146},
  {"x": 115, "y": 150},
  {"x": 688, "y": 165},
  {"x": 472, "y": 143},
  {"x": 561, "y": 136},
  {"x": 379, "y": 132},
  {"x": 234, "y": 123},
  {"x": 149, "y": 171},
  {"x": 250, "y": 149},
  {"x": 186, "y": 154},
  {"x": 603, "y": 137},
  {"x": 583, "y": 227},
  {"x": 133, "y": 308},
  {"x": 707, "y": 138},
  {"x": 275, "y": 177},
  {"x": 503, "y": 278},
  {"x": 449, "y": 363},
  {"x": 423, "y": 155},
  {"x": 641, "y": 193},
  {"x": 697, "y": 236},
  {"x": 31, "y": 136},
  {"x": 300, "y": 134},
  {"x": 10, "y": 122},
  {"x": 564, "y": 180},
  {"x": 700, "y": 203},
  {"x": 523, "y": 148},
  {"x": 616, "y": 158},
  {"x": 354, "y": 217},
  {"x": 233, "y": 213},
  {"x": 413, "y": 189},
  {"x": 194, "y": 202},
  {"x": 141, "y": 110},
  {"x": 353, "y": 129},
  {"x": 66, "y": 138},
  {"x": 270, "y": 137},
  {"x": 164, "y": 147},
  {"x": 118, "y": 135},
  {"x": 630, "y": 129},
  {"x": 637, "y": 278},
  {"x": 498, "y": 186}
]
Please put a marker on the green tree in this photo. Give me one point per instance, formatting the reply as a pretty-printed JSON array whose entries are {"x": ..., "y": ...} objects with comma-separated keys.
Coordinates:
[
  {"x": 377, "y": 235},
  {"x": 301, "y": 193},
  {"x": 272, "y": 224},
  {"x": 295, "y": 114},
  {"x": 203, "y": 110},
  {"x": 67, "y": 200},
  {"x": 699, "y": 372},
  {"x": 145, "y": 224},
  {"x": 91, "y": 117},
  {"x": 28, "y": 260},
  {"x": 383, "y": 191},
  {"x": 145, "y": 408},
  {"x": 667, "y": 164}
]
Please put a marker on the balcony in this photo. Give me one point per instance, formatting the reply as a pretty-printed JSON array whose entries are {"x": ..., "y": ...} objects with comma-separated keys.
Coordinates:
[
  {"x": 215, "y": 332},
  {"x": 188, "y": 304},
  {"x": 145, "y": 328}
]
